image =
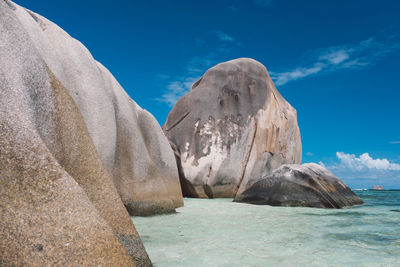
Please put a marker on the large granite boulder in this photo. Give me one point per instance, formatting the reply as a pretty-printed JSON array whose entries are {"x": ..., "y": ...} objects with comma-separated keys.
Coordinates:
[
  {"x": 307, "y": 185},
  {"x": 58, "y": 204},
  {"x": 231, "y": 129},
  {"x": 128, "y": 139}
]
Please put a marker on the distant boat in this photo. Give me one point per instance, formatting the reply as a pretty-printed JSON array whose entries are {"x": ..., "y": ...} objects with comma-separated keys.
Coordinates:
[{"x": 377, "y": 187}]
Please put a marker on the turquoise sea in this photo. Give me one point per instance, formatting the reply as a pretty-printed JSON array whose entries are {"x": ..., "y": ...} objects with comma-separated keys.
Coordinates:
[{"x": 218, "y": 232}]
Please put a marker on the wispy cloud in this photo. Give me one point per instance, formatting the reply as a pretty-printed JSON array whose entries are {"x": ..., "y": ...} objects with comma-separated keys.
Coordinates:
[
  {"x": 176, "y": 89},
  {"x": 177, "y": 86},
  {"x": 337, "y": 58},
  {"x": 298, "y": 73},
  {"x": 223, "y": 36},
  {"x": 263, "y": 2},
  {"x": 232, "y": 9},
  {"x": 309, "y": 154},
  {"x": 394, "y": 142}
]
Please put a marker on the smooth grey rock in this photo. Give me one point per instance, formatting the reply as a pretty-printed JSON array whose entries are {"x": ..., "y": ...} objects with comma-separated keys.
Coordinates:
[
  {"x": 231, "y": 129},
  {"x": 129, "y": 140},
  {"x": 307, "y": 185}
]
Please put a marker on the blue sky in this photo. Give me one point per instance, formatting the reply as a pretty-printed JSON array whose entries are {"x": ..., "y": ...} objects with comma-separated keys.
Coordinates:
[{"x": 337, "y": 62}]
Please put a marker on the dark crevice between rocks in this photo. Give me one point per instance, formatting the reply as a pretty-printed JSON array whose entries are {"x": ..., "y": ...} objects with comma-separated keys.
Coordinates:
[
  {"x": 246, "y": 159},
  {"x": 33, "y": 16},
  {"x": 186, "y": 187},
  {"x": 36, "y": 18},
  {"x": 197, "y": 83},
  {"x": 208, "y": 191}
]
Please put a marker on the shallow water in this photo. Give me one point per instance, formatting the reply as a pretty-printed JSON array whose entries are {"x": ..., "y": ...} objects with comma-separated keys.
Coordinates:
[{"x": 218, "y": 232}]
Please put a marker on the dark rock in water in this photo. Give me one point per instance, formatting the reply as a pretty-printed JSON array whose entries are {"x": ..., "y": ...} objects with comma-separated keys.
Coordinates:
[
  {"x": 307, "y": 185},
  {"x": 232, "y": 128}
]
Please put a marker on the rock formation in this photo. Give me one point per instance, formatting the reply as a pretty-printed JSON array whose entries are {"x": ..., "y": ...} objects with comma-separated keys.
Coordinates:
[
  {"x": 307, "y": 185},
  {"x": 231, "y": 129},
  {"x": 68, "y": 133},
  {"x": 128, "y": 139}
]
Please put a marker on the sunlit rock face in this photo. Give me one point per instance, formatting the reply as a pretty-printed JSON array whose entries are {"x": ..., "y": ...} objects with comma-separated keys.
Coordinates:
[
  {"x": 58, "y": 204},
  {"x": 231, "y": 129},
  {"x": 130, "y": 143},
  {"x": 307, "y": 185}
]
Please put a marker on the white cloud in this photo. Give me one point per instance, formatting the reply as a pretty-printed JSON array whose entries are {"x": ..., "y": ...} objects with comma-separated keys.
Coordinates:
[
  {"x": 309, "y": 154},
  {"x": 394, "y": 142},
  {"x": 365, "y": 171},
  {"x": 364, "y": 167},
  {"x": 263, "y": 2},
  {"x": 223, "y": 36},
  {"x": 337, "y": 58},
  {"x": 365, "y": 161}
]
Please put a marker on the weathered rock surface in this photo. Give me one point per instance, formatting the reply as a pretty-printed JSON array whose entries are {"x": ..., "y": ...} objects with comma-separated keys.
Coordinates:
[
  {"x": 128, "y": 139},
  {"x": 307, "y": 185},
  {"x": 58, "y": 204},
  {"x": 231, "y": 129}
]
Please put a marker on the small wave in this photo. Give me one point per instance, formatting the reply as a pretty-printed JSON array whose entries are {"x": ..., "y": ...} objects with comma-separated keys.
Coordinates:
[{"x": 339, "y": 214}]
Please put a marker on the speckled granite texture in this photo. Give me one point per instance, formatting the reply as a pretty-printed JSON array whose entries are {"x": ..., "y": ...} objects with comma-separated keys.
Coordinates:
[
  {"x": 130, "y": 142},
  {"x": 58, "y": 204}
]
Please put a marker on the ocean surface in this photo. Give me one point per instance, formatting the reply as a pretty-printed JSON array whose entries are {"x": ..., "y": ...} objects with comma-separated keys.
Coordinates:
[{"x": 218, "y": 232}]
